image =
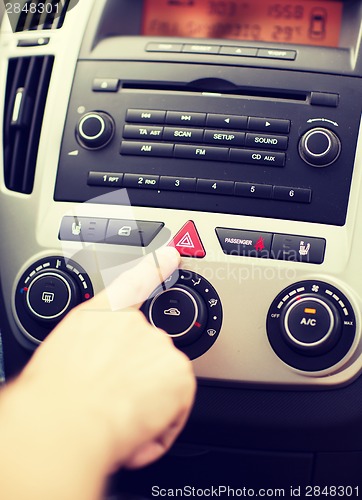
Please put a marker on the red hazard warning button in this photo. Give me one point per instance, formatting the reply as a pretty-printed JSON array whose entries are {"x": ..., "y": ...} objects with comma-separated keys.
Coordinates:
[{"x": 187, "y": 242}]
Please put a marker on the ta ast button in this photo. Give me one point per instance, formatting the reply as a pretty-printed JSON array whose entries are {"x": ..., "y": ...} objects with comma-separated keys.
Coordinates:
[
  {"x": 244, "y": 243},
  {"x": 298, "y": 248}
]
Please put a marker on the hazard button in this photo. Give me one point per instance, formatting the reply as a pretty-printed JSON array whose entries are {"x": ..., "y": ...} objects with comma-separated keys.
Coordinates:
[{"x": 187, "y": 242}]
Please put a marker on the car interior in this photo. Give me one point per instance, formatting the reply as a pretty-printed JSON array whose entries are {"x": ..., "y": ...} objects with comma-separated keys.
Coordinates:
[{"x": 230, "y": 130}]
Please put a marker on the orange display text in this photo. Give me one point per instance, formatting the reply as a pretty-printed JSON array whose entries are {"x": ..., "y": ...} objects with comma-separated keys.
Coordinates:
[{"x": 307, "y": 22}]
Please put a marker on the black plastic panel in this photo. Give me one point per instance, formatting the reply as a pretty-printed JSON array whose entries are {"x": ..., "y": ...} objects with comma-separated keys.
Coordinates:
[{"x": 239, "y": 94}]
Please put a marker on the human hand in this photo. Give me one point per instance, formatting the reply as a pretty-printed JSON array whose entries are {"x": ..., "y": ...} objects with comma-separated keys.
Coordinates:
[{"x": 111, "y": 376}]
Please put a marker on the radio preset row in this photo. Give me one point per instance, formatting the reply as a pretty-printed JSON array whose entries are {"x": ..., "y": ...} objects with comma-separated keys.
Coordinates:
[{"x": 192, "y": 185}]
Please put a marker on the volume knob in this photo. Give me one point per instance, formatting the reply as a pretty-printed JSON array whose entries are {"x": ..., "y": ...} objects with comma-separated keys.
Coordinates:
[
  {"x": 319, "y": 147},
  {"x": 95, "y": 130}
]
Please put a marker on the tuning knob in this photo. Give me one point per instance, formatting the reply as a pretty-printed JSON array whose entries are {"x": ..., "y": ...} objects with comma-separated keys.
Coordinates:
[
  {"x": 95, "y": 130},
  {"x": 46, "y": 292},
  {"x": 188, "y": 308},
  {"x": 319, "y": 147}
]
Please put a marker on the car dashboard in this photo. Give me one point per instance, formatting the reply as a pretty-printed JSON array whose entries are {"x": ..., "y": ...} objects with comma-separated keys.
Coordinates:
[{"x": 231, "y": 131}]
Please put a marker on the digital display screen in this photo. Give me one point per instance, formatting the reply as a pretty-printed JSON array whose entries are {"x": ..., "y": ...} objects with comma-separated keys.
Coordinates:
[{"x": 306, "y": 22}]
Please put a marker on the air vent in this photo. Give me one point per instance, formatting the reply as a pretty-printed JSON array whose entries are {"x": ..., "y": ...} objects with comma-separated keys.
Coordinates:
[
  {"x": 42, "y": 15},
  {"x": 26, "y": 93}
]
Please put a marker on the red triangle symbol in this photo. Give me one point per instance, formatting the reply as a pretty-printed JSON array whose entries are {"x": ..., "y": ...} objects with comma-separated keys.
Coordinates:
[{"x": 187, "y": 242}]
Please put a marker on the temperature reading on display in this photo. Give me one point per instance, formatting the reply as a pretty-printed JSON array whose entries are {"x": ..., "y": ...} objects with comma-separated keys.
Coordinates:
[{"x": 305, "y": 22}]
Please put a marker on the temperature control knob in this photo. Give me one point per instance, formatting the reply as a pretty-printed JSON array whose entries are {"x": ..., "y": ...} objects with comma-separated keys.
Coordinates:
[
  {"x": 319, "y": 147},
  {"x": 180, "y": 312},
  {"x": 311, "y": 325},
  {"x": 95, "y": 130},
  {"x": 46, "y": 292},
  {"x": 188, "y": 308}
]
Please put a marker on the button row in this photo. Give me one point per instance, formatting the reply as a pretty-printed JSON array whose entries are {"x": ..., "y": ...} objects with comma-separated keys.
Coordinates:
[
  {"x": 112, "y": 231},
  {"x": 208, "y": 186},
  {"x": 213, "y": 120},
  {"x": 223, "y": 50},
  {"x": 233, "y": 241},
  {"x": 271, "y": 246},
  {"x": 212, "y": 153},
  {"x": 215, "y": 137}
]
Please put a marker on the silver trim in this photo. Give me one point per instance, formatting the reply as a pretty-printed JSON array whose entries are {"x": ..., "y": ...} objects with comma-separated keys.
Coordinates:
[
  {"x": 323, "y": 339},
  {"x": 17, "y": 105},
  {"x": 178, "y": 335},
  {"x": 91, "y": 137},
  {"x": 64, "y": 308},
  {"x": 319, "y": 131}
]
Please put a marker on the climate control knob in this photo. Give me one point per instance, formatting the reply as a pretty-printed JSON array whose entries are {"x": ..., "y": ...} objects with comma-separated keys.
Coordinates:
[
  {"x": 46, "y": 292},
  {"x": 188, "y": 308},
  {"x": 95, "y": 130},
  {"x": 311, "y": 326},
  {"x": 51, "y": 294},
  {"x": 180, "y": 312},
  {"x": 319, "y": 147}
]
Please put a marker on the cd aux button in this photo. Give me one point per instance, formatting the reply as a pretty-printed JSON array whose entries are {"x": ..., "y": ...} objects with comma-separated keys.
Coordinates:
[{"x": 258, "y": 157}]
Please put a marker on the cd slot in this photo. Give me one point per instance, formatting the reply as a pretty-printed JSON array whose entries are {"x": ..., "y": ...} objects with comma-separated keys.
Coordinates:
[{"x": 216, "y": 89}]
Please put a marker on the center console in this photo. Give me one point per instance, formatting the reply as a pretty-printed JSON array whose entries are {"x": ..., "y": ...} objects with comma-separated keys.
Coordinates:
[{"x": 231, "y": 132}]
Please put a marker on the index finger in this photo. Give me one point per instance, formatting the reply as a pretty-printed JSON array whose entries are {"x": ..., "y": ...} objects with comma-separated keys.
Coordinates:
[{"x": 134, "y": 286}]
